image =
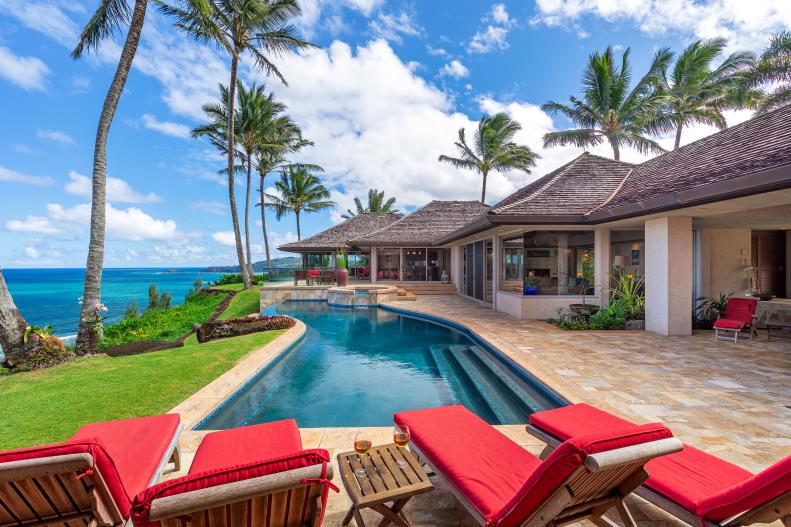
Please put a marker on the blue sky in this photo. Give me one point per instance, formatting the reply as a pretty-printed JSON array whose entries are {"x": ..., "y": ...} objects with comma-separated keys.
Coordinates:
[{"x": 384, "y": 95}]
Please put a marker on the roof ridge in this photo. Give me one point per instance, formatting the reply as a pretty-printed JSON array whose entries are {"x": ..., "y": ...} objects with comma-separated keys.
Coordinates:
[
  {"x": 612, "y": 194},
  {"x": 560, "y": 171}
]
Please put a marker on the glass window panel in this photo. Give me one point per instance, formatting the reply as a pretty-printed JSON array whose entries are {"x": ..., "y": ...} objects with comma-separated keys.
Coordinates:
[
  {"x": 512, "y": 261},
  {"x": 438, "y": 262},
  {"x": 414, "y": 264},
  {"x": 559, "y": 262},
  {"x": 387, "y": 263}
]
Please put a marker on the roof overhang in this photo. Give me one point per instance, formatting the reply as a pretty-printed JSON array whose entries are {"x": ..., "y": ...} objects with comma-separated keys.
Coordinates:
[
  {"x": 777, "y": 178},
  {"x": 493, "y": 220}
]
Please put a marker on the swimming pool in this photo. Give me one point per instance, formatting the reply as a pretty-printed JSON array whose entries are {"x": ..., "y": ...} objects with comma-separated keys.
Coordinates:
[{"x": 356, "y": 367}]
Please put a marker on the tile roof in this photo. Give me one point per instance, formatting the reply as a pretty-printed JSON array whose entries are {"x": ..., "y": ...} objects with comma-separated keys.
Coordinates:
[
  {"x": 760, "y": 144},
  {"x": 337, "y": 236},
  {"x": 426, "y": 225},
  {"x": 574, "y": 189}
]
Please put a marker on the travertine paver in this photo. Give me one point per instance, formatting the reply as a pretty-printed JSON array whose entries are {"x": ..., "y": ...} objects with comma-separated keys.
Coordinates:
[{"x": 729, "y": 400}]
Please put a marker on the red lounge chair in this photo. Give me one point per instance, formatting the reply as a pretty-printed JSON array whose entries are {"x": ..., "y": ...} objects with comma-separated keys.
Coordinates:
[
  {"x": 739, "y": 313},
  {"x": 695, "y": 487},
  {"x": 502, "y": 484},
  {"x": 245, "y": 477},
  {"x": 90, "y": 479}
]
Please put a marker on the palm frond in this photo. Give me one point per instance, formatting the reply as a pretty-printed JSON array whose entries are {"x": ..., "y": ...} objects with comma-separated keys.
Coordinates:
[{"x": 106, "y": 20}]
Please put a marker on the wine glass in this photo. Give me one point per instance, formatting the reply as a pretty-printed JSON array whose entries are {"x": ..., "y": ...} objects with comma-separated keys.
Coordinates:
[
  {"x": 401, "y": 438},
  {"x": 361, "y": 447}
]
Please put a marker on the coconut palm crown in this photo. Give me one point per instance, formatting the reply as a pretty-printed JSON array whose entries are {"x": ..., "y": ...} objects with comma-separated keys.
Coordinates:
[
  {"x": 300, "y": 191},
  {"x": 376, "y": 203},
  {"x": 610, "y": 110},
  {"x": 493, "y": 149},
  {"x": 773, "y": 68}
]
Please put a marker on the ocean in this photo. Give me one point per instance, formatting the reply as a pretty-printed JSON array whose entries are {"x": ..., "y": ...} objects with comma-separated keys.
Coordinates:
[{"x": 51, "y": 296}]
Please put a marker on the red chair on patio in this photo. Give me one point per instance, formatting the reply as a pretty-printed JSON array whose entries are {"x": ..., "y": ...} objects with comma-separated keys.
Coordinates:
[
  {"x": 695, "y": 487},
  {"x": 739, "y": 314},
  {"x": 91, "y": 478},
  {"x": 313, "y": 276},
  {"x": 502, "y": 484},
  {"x": 250, "y": 476}
]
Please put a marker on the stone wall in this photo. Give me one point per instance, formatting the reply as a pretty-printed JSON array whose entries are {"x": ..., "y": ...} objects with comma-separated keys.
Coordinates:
[{"x": 275, "y": 294}]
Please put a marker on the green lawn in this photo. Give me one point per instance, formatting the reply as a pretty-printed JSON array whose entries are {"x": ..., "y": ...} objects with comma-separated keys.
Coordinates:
[
  {"x": 243, "y": 303},
  {"x": 229, "y": 287},
  {"x": 162, "y": 324},
  {"x": 49, "y": 405}
]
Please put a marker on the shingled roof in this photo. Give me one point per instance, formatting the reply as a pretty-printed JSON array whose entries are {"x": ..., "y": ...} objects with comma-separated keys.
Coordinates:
[
  {"x": 336, "y": 237},
  {"x": 572, "y": 190},
  {"x": 748, "y": 158},
  {"x": 426, "y": 225}
]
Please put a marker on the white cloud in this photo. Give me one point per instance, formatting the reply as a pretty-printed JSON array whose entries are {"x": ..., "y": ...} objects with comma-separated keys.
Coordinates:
[
  {"x": 165, "y": 127},
  {"x": 490, "y": 39},
  {"x": 57, "y": 136},
  {"x": 31, "y": 252},
  {"x": 394, "y": 27},
  {"x": 12, "y": 176},
  {"x": 226, "y": 238},
  {"x": 130, "y": 224},
  {"x": 454, "y": 69},
  {"x": 118, "y": 190},
  {"x": 312, "y": 11},
  {"x": 500, "y": 14},
  {"x": 47, "y": 17},
  {"x": 436, "y": 52},
  {"x": 80, "y": 84},
  {"x": 29, "y": 73},
  {"x": 746, "y": 25},
  {"x": 38, "y": 224},
  {"x": 212, "y": 207}
]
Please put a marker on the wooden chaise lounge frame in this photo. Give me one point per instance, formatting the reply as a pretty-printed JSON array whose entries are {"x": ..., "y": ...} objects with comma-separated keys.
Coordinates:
[
  {"x": 776, "y": 509},
  {"x": 591, "y": 490},
  {"x": 65, "y": 490},
  {"x": 275, "y": 500}
]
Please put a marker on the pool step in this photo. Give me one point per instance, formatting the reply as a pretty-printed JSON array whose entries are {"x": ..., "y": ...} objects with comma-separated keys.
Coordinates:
[
  {"x": 503, "y": 400},
  {"x": 405, "y": 296},
  {"x": 520, "y": 389},
  {"x": 461, "y": 387}
]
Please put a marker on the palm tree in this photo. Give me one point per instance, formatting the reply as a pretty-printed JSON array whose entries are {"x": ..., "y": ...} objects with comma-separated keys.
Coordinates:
[
  {"x": 609, "y": 110},
  {"x": 698, "y": 93},
  {"x": 376, "y": 203},
  {"x": 12, "y": 325},
  {"x": 257, "y": 27},
  {"x": 493, "y": 149},
  {"x": 773, "y": 67},
  {"x": 108, "y": 18},
  {"x": 300, "y": 191}
]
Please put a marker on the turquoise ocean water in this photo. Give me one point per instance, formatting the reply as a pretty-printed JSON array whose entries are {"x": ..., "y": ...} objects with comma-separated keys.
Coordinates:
[{"x": 51, "y": 296}]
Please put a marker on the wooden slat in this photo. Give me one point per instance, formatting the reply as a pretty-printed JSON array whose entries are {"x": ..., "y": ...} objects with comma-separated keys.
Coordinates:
[
  {"x": 373, "y": 475},
  {"x": 416, "y": 469},
  {"x": 278, "y": 508},
  {"x": 5, "y": 515},
  {"x": 362, "y": 482},
  {"x": 258, "y": 511},
  {"x": 75, "y": 489},
  {"x": 13, "y": 502},
  {"x": 171, "y": 522},
  {"x": 31, "y": 494},
  {"x": 397, "y": 473},
  {"x": 55, "y": 493},
  {"x": 238, "y": 514},
  {"x": 383, "y": 470},
  {"x": 217, "y": 517},
  {"x": 296, "y": 506}
]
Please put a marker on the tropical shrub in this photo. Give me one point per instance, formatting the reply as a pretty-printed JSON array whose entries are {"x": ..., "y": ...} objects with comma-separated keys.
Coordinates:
[
  {"x": 710, "y": 308},
  {"x": 565, "y": 319},
  {"x": 234, "y": 327},
  {"x": 197, "y": 286},
  {"x": 612, "y": 317},
  {"x": 131, "y": 310},
  {"x": 631, "y": 291},
  {"x": 42, "y": 350},
  {"x": 236, "y": 278},
  {"x": 157, "y": 300}
]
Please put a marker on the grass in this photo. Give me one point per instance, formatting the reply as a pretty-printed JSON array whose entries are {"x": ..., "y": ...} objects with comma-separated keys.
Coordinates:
[
  {"x": 243, "y": 303},
  {"x": 162, "y": 324},
  {"x": 49, "y": 405},
  {"x": 229, "y": 287}
]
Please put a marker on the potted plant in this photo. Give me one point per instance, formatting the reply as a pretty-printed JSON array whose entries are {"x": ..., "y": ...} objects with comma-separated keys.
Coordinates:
[
  {"x": 531, "y": 284},
  {"x": 341, "y": 272},
  {"x": 630, "y": 290}
]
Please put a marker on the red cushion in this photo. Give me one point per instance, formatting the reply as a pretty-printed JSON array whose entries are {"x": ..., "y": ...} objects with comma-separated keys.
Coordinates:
[
  {"x": 211, "y": 478},
  {"x": 247, "y": 444},
  {"x": 483, "y": 464},
  {"x": 749, "y": 493},
  {"x": 685, "y": 477},
  {"x": 728, "y": 323},
  {"x": 741, "y": 309}
]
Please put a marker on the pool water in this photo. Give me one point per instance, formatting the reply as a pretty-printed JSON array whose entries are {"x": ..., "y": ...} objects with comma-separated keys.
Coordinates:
[{"x": 356, "y": 367}]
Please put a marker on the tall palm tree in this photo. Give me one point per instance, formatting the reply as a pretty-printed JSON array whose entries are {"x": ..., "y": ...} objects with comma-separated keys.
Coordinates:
[
  {"x": 280, "y": 136},
  {"x": 258, "y": 27},
  {"x": 12, "y": 325},
  {"x": 772, "y": 68},
  {"x": 698, "y": 93},
  {"x": 493, "y": 149},
  {"x": 105, "y": 22},
  {"x": 609, "y": 110},
  {"x": 300, "y": 191},
  {"x": 376, "y": 203}
]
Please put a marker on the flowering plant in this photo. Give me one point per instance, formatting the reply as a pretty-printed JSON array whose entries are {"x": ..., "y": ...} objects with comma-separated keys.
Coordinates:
[{"x": 98, "y": 316}]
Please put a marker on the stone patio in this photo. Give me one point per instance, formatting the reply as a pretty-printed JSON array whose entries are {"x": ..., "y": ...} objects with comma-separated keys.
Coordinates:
[{"x": 732, "y": 400}]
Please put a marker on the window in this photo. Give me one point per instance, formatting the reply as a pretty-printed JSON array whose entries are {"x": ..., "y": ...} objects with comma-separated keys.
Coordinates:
[
  {"x": 513, "y": 264},
  {"x": 414, "y": 264},
  {"x": 438, "y": 263},
  {"x": 388, "y": 262},
  {"x": 318, "y": 260}
]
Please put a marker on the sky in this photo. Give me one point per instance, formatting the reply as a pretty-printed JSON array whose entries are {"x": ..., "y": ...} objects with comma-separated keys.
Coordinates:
[{"x": 382, "y": 96}]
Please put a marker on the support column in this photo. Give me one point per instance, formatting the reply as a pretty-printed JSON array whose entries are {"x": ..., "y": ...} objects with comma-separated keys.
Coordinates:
[
  {"x": 334, "y": 260},
  {"x": 668, "y": 276},
  {"x": 401, "y": 264},
  {"x": 497, "y": 269},
  {"x": 374, "y": 267},
  {"x": 601, "y": 261}
]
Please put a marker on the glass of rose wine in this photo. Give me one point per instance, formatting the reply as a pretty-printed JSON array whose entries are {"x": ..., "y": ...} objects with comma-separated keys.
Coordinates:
[
  {"x": 361, "y": 447},
  {"x": 401, "y": 438}
]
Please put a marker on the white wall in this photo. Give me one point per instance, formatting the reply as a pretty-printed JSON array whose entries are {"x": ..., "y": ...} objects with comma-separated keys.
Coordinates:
[
  {"x": 724, "y": 255},
  {"x": 537, "y": 307},
  {"x": 668, "y": 274}
]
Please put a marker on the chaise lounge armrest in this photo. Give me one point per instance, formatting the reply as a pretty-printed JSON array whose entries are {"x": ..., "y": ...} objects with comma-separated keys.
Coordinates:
[{"x": 635, "y": 454}]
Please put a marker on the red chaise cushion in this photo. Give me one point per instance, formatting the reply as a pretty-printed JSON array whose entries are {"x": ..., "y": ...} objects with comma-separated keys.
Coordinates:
[
  {"x": 575, "y": 420},
  {"x": 741, "y": 309},
  {"x": 478, "y": 460},
  {"x": 246, "y": 444},
  {"x": 727, "y": 323}
]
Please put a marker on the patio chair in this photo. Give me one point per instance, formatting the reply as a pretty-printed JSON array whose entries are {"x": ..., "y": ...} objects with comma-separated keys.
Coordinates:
[
  {"x": 739, "y": 314},
  {"x": 300, "y": 274},
  {"x": 502, "y": 484},
  {"x": 253, "y": 476},
  {"x": 327, "y": 277},
  {"x": 695, "y": 487},
  {"x": 313, "y": 276},
  {"x": 89, "y": 479}
]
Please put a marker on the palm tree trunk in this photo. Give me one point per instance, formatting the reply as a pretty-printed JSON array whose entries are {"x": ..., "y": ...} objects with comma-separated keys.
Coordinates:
[
  {"x": 12, "y": 325},
  {"x": 263, "y": 224},
  {"x": 616, "y": 150},
  {"x": 231, "y": 190},
  {"x": 247, "y": 215},
  {"x": 678, "y": 136},
  {"x": 87, "y": 336},
  {"x": 483, "y": 189},
  {"x": 299, "y": 233}
]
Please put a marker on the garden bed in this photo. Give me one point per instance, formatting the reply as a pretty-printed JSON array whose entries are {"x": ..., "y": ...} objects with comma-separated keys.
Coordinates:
[{"x": 235, "y": 327}]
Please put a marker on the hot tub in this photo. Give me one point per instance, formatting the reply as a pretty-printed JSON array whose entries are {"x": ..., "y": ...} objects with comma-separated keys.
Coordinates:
[{"x": 361, "y": 295}]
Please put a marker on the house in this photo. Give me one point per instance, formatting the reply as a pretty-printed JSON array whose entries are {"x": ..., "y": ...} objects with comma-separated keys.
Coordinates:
[{"x": 711, "y": 217}]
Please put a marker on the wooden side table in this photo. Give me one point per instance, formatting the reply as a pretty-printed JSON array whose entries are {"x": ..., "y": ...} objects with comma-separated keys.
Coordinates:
[{"x": 385, "y": 482}]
